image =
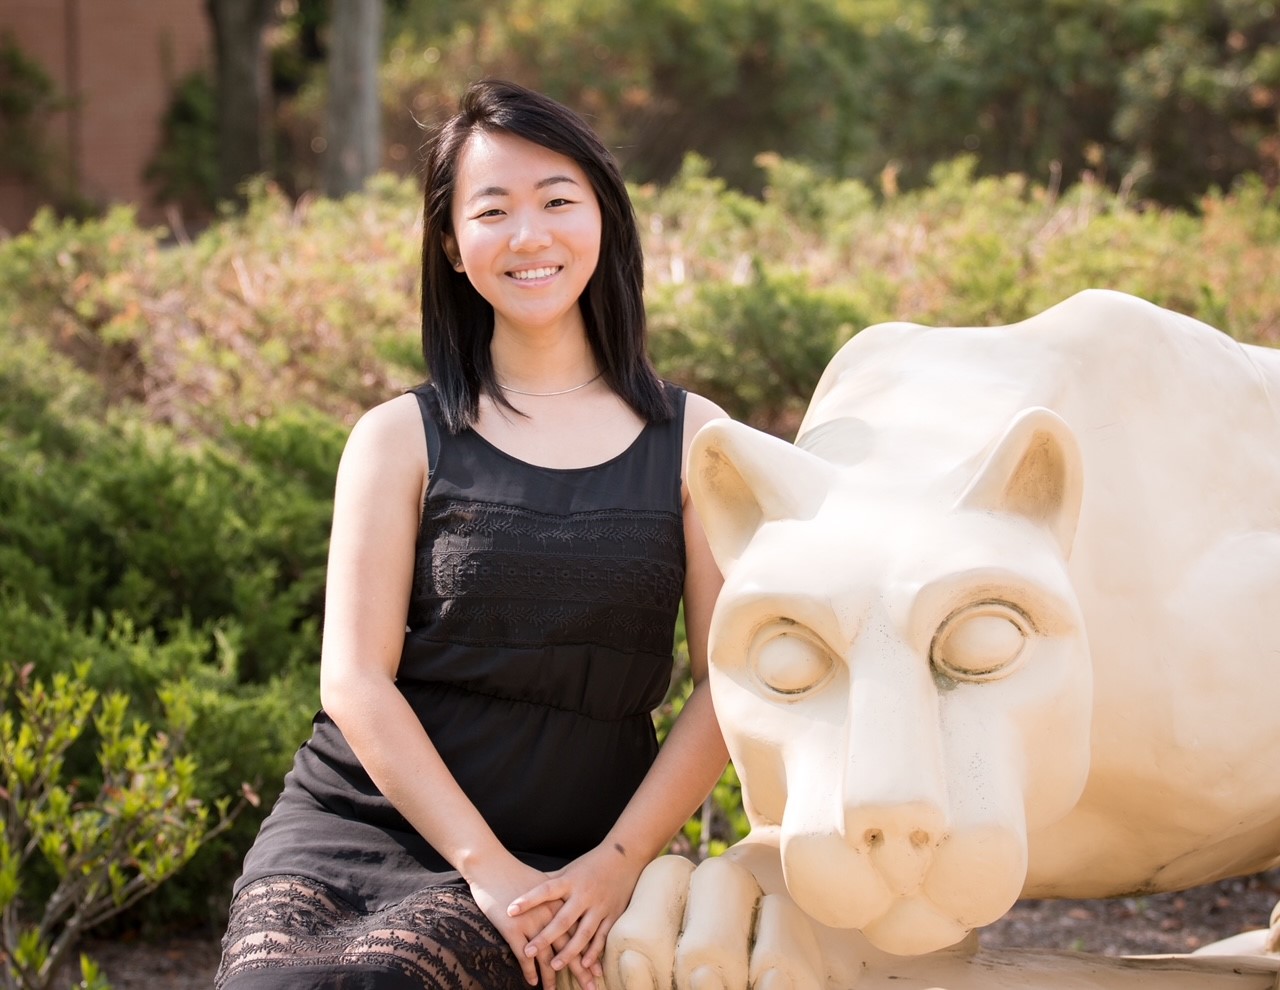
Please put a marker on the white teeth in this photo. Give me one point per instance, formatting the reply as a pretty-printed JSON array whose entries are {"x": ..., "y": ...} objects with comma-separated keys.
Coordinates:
[{"x": 534, "y": 273}]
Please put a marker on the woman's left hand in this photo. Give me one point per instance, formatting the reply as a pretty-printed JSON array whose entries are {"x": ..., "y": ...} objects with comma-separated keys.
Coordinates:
[{"x": 595, "y": 888}]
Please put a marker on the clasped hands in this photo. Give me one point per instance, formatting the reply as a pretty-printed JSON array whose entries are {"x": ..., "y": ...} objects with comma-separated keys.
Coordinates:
[{"x": 558, "y": 921}]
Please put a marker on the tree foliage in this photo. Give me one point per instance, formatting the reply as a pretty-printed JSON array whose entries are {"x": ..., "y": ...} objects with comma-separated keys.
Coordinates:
[
  {"x": 1169, "y": 97},
  {"x": 29, "y": 100}
]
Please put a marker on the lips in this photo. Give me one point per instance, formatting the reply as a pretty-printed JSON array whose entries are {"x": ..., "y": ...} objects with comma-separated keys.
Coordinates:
[{"x": 529, "y": 274}]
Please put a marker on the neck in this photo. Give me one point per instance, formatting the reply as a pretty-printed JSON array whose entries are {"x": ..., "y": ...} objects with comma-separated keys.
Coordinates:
[{"x": 539, "y": 365}]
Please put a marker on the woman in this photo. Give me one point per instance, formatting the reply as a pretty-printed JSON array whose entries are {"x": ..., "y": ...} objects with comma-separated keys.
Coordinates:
[{"x": 510, "y": 547}]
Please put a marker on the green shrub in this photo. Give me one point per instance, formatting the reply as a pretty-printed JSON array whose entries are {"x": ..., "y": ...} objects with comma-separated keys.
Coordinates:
[
  {"x": 757, "y": 347},
  {"x": 101, "y": 510},
  {"x": 193, "y": 568},
  {"x": 290, "y": 304},
  {"x": 106, "y": 846},
  {"x": 241, "y": 736},
  {"x": 134, "y": 523}
]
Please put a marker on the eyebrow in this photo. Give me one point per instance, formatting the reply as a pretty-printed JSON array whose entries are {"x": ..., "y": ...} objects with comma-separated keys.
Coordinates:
[{"x": 550, "y": 180}]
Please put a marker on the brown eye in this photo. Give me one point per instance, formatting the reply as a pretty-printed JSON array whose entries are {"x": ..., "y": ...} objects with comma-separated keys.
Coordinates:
[
  {"x": 790, "y": 661},
  {"x": 980, "y": 642}
]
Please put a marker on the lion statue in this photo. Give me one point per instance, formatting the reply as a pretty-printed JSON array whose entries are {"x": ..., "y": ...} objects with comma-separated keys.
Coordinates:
[{"x": 1003, "y": 622}]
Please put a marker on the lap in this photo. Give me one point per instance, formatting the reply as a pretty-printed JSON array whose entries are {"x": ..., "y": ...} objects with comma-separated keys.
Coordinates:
[{"x": 294, "y": 932}]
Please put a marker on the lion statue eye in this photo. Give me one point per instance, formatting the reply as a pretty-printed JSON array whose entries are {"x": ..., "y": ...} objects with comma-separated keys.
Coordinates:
[
  {"x": 789, "y": 661},
  {"x": 980, "y": 642}
]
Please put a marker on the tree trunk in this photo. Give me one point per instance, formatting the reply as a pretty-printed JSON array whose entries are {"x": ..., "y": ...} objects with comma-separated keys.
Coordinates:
[
  {"x": 354, "y": 141},
  {"x": 238, "y": 27}
]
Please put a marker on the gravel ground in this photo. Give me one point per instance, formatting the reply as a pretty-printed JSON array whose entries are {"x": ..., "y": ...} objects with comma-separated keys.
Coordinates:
[
  {"x": 1157, "y": 923},
  {"x": 1126, "y": 925}
]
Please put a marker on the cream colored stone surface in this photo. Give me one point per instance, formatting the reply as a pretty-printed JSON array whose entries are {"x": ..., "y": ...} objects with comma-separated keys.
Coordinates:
[{"x": 1004, "y": 621}]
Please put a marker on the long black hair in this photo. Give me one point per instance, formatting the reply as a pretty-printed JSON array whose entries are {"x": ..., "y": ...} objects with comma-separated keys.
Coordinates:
[{"x": 457, "y": 322}]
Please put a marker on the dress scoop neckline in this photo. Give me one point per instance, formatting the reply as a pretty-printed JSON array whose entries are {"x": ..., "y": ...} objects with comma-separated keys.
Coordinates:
[{"x": 631, "y": 445}]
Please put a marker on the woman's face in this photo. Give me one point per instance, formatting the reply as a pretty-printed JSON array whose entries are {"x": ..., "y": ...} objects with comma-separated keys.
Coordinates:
[{"x": 526, "y": 231}]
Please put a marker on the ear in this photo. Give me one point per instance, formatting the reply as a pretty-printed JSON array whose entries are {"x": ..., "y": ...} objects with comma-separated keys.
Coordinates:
[
  {"x": 741, "y": 478},
  {"x": 451, "y": 251},
  {"x": 1036, "y": 471}
]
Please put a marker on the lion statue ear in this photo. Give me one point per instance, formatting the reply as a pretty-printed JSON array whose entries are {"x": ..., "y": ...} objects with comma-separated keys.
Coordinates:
[
  {"x": 741, "y": 478},
  {"x": 1035, "y": 471}
]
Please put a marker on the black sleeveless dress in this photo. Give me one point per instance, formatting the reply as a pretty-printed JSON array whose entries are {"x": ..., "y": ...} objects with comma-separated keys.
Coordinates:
[{"x": 538, "y": 642}]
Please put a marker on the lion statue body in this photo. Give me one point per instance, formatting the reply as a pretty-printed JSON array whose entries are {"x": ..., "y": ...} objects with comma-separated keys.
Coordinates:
[{"x": 1003, "y": 622}]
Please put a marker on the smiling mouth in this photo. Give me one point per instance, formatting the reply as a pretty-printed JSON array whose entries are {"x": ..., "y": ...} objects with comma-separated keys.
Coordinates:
[{"x": 529, "y": 274}]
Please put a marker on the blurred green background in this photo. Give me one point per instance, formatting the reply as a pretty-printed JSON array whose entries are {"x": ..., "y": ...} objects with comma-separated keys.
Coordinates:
[{"x": 174, "y": 399}]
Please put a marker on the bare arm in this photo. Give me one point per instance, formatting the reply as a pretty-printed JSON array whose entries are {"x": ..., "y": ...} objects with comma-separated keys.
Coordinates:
[
  {"x": 693, "y": 755},
  {"x": 597, "y": 886},
  {"x": 377, "y": 502}
]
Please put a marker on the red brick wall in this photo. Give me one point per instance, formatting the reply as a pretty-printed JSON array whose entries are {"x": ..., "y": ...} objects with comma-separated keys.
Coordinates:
[{"x": 122, "y": 59}]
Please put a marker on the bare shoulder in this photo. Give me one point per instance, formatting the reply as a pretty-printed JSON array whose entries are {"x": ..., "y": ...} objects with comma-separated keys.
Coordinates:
[
  {"x": 389, "y": 437},
  {"x": 698, "y": 412},
  {"x": 396, "y": 418}
]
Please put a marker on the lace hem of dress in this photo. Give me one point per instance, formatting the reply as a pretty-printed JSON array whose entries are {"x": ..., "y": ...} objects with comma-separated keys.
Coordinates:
[{"x": 437, "y": 938}]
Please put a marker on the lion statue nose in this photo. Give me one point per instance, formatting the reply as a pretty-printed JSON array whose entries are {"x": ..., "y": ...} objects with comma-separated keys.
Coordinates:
[{"x": 898, "y": 839}]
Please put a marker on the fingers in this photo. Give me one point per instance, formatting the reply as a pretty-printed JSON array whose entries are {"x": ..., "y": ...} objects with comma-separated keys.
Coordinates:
[
  {"x": 536, "y": 966},
  {"x": 569, "y": 951},
  {"x": 640, "y": 952},
  {"x": 558, "y": 976},
  {"x": 715, "y": 944},
  {"x": 585, "y": 899},
  {"x": 566, "y": 962},
  {"x": 570, "y": 979},
  {"x": 596, "y": 950},
  {"x": 554, "y": 931},
  {"x": 555, "y": 889},
  {"x": 547, "y": 974},
  {"x": 584, "y": 977},
  {"x": 582, "y": 936},
  {"x": 546, "y": 962},
  {"x": 537, "y": 970},
  {"x": 528, "y": 967}
]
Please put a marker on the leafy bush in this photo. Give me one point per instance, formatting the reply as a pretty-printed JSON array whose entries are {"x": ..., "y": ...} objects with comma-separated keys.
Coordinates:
[
  {"x": 240, "y": 736},
  {"x": 106, "y": 852},
  {"x": 756, "y": 348},
  {"x": 257, "y": 310},
  {"x": 113, "y": 514},
  {"x": 188, "y": 568}
]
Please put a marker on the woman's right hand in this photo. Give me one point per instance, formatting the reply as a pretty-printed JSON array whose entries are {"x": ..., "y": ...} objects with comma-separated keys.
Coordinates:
[{"x": 494, "y": 888}]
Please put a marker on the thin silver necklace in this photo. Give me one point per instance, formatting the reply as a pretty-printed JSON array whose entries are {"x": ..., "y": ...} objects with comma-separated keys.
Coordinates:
[{"x": 543, "y": 395}]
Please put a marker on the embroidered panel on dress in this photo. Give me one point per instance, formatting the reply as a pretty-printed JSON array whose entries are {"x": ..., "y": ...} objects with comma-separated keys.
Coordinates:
[{"x": 499, "y": 574}]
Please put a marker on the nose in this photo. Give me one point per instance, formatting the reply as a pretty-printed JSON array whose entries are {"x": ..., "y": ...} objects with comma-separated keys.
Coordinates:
[
  {"x": 894, "y": 788},
  {"x": 530, "y": 234},
  {"x": 898, "y": 838}
]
